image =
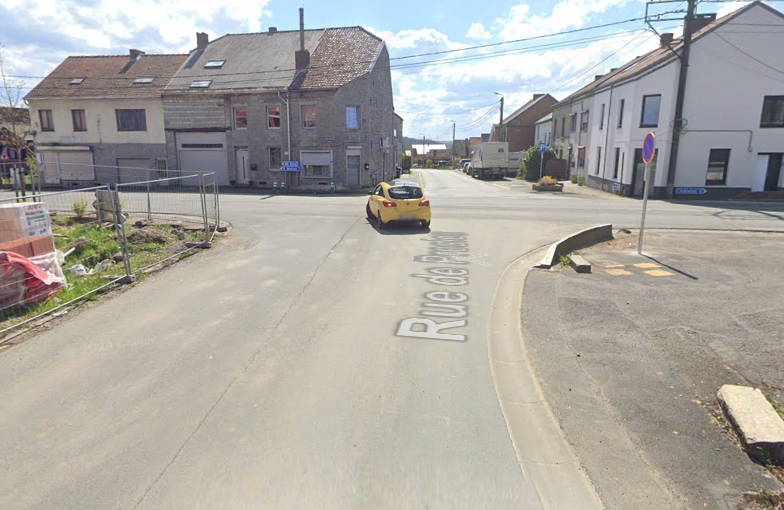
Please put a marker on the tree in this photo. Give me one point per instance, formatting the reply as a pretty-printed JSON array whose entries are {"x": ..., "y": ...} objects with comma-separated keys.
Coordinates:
[
  {"x": 14, "y": 117},
  {"x": 531, "y": 160},
  {"x": 406, "y": 161}
]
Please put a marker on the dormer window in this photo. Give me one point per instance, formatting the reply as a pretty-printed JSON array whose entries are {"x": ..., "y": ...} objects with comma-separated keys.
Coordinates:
[
  {"x": 214, "y": 64},
  {"x": 200, "y": 84},
  {"x": 78, "y": 80},
  {"x": 142, "y": 80}
]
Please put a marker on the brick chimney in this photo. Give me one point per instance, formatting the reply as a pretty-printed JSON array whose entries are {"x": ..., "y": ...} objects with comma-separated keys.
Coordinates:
[
  {"x": 302, "y": 56},
  {"x": 666, "y": 39},
  {"x": 272, "y": 30},
  {"x": 135, "y": 54},
  {"x": 202, "y": 40}
]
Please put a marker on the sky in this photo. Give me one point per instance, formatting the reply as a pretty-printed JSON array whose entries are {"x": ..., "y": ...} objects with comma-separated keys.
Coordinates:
[{"x": 485, "y": 49}]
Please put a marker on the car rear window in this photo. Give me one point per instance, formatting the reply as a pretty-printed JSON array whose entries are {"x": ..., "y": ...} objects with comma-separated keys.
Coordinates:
[{"x": 405, "y": 192}]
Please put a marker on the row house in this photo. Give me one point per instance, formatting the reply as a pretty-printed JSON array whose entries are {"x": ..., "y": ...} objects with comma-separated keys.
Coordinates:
[
  {"x": 99, "y": 119},
  {"x": 732, "y": 132},
  {"x": 519, "y": 128},
  {"x": 244, "y": 104},
  {"x": 308, "y": 108}
]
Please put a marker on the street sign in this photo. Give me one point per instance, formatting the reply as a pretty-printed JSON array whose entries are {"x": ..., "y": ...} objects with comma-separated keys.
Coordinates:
[
  {"x": 690, "y": 191},
  {"x": 542, "y": 147},
  {"x": 374, "y": 175},
  {"x": 291, "y": 166},
  {"x": 648, "y": 148}
]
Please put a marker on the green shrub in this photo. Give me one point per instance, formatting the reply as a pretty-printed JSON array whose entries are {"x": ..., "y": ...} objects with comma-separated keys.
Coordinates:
[
  {"x": 521, "y": 170},
  {"x": 581, "y": 181},
  {"x": 79, "y": 208},
  {"x": 574, "y": 179}
]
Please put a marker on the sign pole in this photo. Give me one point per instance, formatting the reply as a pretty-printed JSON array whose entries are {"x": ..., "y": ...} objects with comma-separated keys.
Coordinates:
[
  {"x": 648, "y": 145},
  {"x": 644, "y": 207},
  {"x": 542, "y": 149}
]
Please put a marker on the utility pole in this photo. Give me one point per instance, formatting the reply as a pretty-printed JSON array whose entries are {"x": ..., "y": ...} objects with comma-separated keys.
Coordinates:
[
  {"x": 424, "y": 158},
  {"x": 501, "y": 121},
  {"x": 453, "y": 142},
  {"x": 679, "y": 100}
]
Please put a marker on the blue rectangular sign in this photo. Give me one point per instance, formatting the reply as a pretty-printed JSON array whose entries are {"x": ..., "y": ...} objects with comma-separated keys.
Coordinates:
[
  {"x": 291, "y": 166},
  {"x": 542, "y": 147},
  {"x": 690, "y": 191}
]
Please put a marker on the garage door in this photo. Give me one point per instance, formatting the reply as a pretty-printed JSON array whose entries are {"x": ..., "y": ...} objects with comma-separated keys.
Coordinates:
[
  {"x": 133, "y": 170},
  {"x": 67, "y": 165},
  {"x": 204, "y": 152}
]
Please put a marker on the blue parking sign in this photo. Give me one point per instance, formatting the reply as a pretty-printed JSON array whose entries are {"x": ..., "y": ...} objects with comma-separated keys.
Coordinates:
[{"x": 542, "y": 147}]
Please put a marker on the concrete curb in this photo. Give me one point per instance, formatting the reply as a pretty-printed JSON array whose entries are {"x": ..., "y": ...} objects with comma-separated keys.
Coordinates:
[
  {"x": 759, "y": 426},
  {"x": 544, "y": 455},
  {"x": 569, "y": 243}
]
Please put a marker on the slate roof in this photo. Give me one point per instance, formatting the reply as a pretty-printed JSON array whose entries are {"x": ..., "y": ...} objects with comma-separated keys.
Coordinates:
[
  {"x": 530, "y": 104},
  {"x": 544, "y": 119},
  {"x": 108, "y": 76},
  {"x": 342, "y": 55},
  {"x": 265, "y": 61},
  {"x": 253, "y": 61}
]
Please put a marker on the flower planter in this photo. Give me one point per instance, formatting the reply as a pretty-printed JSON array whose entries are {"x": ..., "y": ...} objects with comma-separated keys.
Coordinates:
[{"x": 543, "y": 187}]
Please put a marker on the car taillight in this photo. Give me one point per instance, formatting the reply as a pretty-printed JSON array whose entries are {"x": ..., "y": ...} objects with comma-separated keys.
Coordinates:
[
  {"x": 387, "y": 203},
  {"x": 424, "y": 203}
]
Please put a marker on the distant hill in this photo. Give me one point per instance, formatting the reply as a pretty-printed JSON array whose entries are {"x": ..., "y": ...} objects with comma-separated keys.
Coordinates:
[{"x": 407, "y": 141}]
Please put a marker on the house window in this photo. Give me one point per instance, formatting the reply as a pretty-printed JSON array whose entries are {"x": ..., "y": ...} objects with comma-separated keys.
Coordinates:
[
  {"x": 598, "y": 159},
  {"x": 273, "y": 116},
  {"x": 275, "y": 158},
  {"x": 555, "y": 127},
  {"x": 240, "y": 118},
  {"x": 584, "y": 121},
  {"x": 573, "y": 127},
  {"x": 718, "y": 161},
  {"x": 78, "y": 80},
  {"x": 601, "y": 117},
  {"x": 620, "y": 113},
  {"x": 581, "y": 157},
  {"x": 142, "y": 80},
  {"x": 308, "y": 115},
  {"x": 200, "y": 84},
  {"x": 47, "y": 124},
  {"x": 352, "y": 117},
  {"x": 617, "y": 161},
  {"x": 214, "y": 64},
  {"x": 131, "y": 120},
  {"x": 162, "y": 166},
  {"x": 79, "y": 120},
  {"x": 563, "y": 127},
  {"x": 650, "y": 111},
  {"x": 316, "y": 163},
  {"x": 773, "y": 112}
]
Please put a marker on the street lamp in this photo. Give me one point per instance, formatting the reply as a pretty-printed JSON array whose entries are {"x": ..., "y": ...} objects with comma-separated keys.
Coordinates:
[
  {"x": 422, "y": 156},
  {"x": 501, "y": 119},
  {"x": 453, "y": 142}
]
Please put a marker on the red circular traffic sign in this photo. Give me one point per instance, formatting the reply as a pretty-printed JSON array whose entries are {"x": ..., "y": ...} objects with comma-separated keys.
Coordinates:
[{"x": 648, "y": 147}]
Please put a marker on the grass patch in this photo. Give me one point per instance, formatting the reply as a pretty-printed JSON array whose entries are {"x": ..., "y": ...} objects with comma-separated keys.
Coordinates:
[{"x": 93, "y": 243}]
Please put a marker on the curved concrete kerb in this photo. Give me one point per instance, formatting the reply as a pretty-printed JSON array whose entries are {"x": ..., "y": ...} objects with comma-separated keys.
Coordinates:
[{"x": 572, "y": 242}]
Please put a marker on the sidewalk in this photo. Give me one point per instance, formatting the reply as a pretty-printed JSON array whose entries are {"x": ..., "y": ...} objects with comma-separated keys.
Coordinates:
[{"x": 631, "y": 356}]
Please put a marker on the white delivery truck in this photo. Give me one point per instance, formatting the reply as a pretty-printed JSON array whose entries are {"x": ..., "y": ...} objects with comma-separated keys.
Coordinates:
[{"x": 490, "y": 160}]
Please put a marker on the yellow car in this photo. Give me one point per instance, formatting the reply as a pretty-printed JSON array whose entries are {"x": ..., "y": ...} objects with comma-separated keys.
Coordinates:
[{"x": 398, "y": 201}]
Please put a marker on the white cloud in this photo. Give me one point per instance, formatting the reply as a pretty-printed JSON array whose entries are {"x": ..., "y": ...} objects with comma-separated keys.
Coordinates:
[
  {"x": 519, "y": 23},
  {"x": 478, "y": 31}
]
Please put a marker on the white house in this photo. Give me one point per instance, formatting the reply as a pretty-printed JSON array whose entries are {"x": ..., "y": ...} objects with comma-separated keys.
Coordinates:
[
  {"x": 544, "y": 129},
  {"x": 92, "y": 115},
  {"x": 732, "y": 140}
]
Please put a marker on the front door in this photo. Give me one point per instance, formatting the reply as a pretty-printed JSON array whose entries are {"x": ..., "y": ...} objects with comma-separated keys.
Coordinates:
[
  {"x": 773, "y": 175},
  {"x": 242, "y": 165},
  {"x": 352, "y": 171}
]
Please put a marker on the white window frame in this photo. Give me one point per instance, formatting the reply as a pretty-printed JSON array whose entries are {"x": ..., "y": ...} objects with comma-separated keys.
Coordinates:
[
  {"x": 356, "y": 118},
  {"x": 302, "y": 116}
]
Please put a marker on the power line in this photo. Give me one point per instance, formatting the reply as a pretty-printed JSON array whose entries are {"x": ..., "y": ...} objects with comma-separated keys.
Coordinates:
[{"x": 752, "y": 57}]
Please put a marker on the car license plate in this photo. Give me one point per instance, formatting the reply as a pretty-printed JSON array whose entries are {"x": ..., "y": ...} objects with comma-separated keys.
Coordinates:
[{"x": 407, "y": 217}]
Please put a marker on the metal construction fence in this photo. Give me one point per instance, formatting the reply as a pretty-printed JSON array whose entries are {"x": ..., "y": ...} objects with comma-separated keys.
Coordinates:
[{"x": 99, "y": 236}]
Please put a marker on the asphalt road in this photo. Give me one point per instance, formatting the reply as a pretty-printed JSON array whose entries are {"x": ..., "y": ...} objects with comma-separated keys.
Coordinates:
[{"x": 266, "y": 373}]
